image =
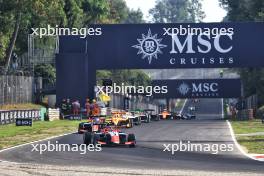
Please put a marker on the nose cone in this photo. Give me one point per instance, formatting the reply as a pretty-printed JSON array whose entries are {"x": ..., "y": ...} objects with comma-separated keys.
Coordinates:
[{"x": 115, "y": 139}]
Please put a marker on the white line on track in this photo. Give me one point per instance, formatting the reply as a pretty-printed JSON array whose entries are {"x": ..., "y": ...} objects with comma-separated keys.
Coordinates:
[
  {"x": 21, "y": 145},
  {"x": 237, "y": 144},
  {"x": 53, "y": 137}
]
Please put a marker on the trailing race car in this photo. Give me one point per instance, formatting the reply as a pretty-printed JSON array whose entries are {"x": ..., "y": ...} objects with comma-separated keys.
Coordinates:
[
  {"x": 84, "y": 127},
  {"x": 109, "y": 136},
  {"x": 152, "y": 115},
  {"x": 165, "y": 114},
  {"x": 177, "y": 116},
  {"x": 136, "y": 117},
  {"x": 122, "y": 119},
  {"x": 188, "y": 116},
  {"x": 192, "y": 108},
  {"x": 92, "y": 122},
  {"x": 195, "y": 100},
  {"x": 143, "y": 114}
]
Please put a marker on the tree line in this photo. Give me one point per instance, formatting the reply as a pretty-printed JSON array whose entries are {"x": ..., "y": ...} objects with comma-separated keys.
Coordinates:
[
  {"x": 245, "y": 11},
  {"x": 17, "y": 17}
]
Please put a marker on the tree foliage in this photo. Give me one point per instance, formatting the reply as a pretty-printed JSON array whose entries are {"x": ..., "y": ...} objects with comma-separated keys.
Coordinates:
[
  {"x": 74, "y": 13},
  {"x": 17, "y": 17},
  {"x": 244, "y": 11},
  {"x": 176, "y": 11},
  {"x": 47, "y": 72},
  {"x": 95, "y": 11},
  {"x": 118, "y": 11},
  {"x": 128, "y": 77},
  {"x": 64, "y": 13},
  {"x": 134, "y": 17}
]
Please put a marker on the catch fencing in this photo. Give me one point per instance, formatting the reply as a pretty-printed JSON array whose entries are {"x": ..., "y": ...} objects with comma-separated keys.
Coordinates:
[
  {"x": 16, "y": 89},
  {"x": 8, "y": 117}
]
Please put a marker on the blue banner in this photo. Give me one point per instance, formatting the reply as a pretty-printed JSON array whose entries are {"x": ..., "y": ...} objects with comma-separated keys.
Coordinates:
[
  {"x": 24, "y": 122},
  {"x": 198, "y": 45},
  {"x": 199, "y": 88},
  {"x": 154, "y": 46}
]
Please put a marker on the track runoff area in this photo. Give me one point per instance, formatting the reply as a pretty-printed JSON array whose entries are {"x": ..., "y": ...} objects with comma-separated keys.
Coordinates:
[{"x": 193, "y": 137}]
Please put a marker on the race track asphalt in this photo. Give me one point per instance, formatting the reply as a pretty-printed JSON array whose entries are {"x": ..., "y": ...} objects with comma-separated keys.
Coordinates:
[{"x": 208, "y": 128}]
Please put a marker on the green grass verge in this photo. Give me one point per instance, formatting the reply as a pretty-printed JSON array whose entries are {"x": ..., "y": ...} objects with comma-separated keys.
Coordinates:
[
  {"x": 23, "y": 106},
  {"x": 244, "y": 127},
  {"x": 254, "y": 144},
  {"x": 10, "y": 135}
]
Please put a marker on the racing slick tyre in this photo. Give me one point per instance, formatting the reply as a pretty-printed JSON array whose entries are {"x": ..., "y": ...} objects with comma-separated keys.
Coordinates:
[
  {"x": 95, "y": 139},
  {"x": 108, "y": 139},
  {"x": 131, "y": 138},
  {"x": 79, "y": 132},
  {"x": 156, "y": 117},
  {"x": 122, "y": 139},
  {"x": 130, "y": 123},
  {"x": 139, "y": 121},
  {"x": 87, "y": 138},
  {"x": 148, "y": 118}
]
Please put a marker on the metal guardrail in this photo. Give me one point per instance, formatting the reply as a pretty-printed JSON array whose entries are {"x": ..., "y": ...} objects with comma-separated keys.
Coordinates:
[{"x": 8, "y": 117}]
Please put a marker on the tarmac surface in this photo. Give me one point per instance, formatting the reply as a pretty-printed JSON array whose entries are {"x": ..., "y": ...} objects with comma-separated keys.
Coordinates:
[{"x": 149, "y": 157}]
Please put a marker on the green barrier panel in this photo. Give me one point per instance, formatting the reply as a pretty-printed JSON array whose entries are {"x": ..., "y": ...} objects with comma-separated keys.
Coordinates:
[{"x": 43, "y": 111}]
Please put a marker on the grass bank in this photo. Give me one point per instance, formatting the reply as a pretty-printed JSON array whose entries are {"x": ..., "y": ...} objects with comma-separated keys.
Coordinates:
[
  {"x": 10, "y": 135},
  {"x": 23, "y": 106},
  {"x": 244, "y": 131}
]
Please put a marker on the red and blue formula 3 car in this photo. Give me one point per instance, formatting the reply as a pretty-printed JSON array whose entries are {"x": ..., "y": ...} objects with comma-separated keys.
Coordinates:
[{"x": 109, "y": 136}]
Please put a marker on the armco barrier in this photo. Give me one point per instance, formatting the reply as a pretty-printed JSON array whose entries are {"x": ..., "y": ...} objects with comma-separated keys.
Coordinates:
[{"x": 8, "y": 117}]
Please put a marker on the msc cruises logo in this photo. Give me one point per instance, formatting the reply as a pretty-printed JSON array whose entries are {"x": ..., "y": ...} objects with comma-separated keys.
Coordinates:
[
  {"x": 197, "y": 89},
  {"x": 184, "y": 88},
  {"x": 149, "y": 46}
]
